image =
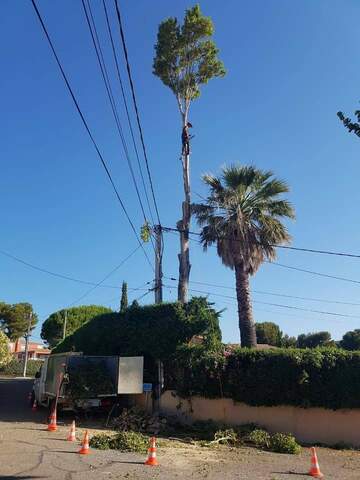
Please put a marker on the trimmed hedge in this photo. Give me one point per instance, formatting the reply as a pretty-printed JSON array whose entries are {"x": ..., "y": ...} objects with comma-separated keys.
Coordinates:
[
  {"x": 328, "y": 378},
  {"x": 153, "y": 330},
  {"x": 15, "y": 368}
]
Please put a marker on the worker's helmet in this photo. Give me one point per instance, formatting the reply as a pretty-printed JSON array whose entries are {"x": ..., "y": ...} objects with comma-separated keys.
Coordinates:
[{"x": 189, "y": 124}]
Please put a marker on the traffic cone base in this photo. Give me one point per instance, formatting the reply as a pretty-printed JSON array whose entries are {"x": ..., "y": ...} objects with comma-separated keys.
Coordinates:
[
  {"x": 52, "y": 427},
  {"x": 72, "y": 435},
  {"x": 85, "y": 450},
  {"x": 315, "y": 469},
  {"x": 151, "y": 460}
]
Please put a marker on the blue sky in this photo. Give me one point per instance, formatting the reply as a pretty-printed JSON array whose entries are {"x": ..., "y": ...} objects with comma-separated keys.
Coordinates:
[{"x": 291, "y": 66}]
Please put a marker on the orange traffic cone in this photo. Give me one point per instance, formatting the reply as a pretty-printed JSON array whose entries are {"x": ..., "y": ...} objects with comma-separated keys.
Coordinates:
[
  {"x": 151, "y": 460},
  {"x": 315, "y": 469},
  {"x": 72, "y": 434},
  {"x": 85, "y": 445},
  {"x": 52, "y": 427},
  {"x": 34, "y": 405}
]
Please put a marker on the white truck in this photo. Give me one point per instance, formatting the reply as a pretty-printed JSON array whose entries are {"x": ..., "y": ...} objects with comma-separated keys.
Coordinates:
[{"x": 83, "y": 382}]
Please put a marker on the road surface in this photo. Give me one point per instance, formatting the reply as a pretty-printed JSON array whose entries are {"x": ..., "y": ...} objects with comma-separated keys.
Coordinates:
[{"x": 28, "y": 451}]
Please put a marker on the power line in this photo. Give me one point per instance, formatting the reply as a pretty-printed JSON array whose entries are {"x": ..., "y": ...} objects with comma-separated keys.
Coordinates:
[
  {"x": 123, "y": 41},
  {"x": 291, "y": 307},
  {"x": 59, "y": 275},
  {"x": 139, "y": 288},
  {"x": 263, "y": 292},
  {"x": 144, "y": 295},
  {"x": 105, "y": 278},
  {"x": 101, "y": 61},
  {"x": 343, "y": 279},
  {"x": 126, "y": 107},
  {"x": 308, "y": 250},
  {"x": 103, "y": 163}
]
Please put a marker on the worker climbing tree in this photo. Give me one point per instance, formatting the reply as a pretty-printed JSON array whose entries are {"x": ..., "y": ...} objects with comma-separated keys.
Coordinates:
[{"x": 185, "y": 58}]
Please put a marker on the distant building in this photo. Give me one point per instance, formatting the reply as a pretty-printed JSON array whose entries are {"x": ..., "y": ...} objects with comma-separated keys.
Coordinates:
[{"x": 36, "y": 351}]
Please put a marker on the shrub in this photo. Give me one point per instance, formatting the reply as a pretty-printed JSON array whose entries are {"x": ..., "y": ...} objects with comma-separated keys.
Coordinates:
[
  {"x": 284, "y": 443},
  {"x": 5, "y": 355},
  {"x": 153, "y": 330},
  {"x": 15, "y": 368},
  {"x": 325, "y": 377},
  {"x": 123, "y": 441},
  {"x": 260, "y": 438},
  {"x": 226, "y": 436}
]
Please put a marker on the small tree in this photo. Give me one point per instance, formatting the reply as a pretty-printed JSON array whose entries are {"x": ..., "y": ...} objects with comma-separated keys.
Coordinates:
[
  {"x": 124, "y": 297},
  {"x": 288, "y": 342},
  {"x": 52, "y": 328},
  {"x": 14, "y": 319},
  {"x": 185, "y": 59},
  {"x": 5, "y": 355},
  {"x": 351, "y": 340},
  {"x": 313, "y": 340},
  {"x": 269, "y": 333}
]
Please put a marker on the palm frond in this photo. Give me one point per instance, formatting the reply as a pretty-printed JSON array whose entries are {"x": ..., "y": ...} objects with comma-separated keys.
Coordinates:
[{"x": 243, "y": 216}]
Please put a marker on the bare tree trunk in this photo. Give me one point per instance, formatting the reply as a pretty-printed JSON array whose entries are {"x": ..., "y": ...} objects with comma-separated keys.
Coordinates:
[
  {"x": 246, "y": 320},
  {"x": 184, "y": 226}
]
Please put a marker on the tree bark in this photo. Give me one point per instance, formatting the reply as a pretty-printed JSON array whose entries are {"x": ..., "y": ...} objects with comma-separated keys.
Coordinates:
[
  {"x": 246, "y": 320},
  {"x": 184, "y": 226}
]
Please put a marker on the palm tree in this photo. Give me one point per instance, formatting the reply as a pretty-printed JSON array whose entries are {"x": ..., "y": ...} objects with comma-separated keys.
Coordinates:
[{"x": 243, "y": 216}]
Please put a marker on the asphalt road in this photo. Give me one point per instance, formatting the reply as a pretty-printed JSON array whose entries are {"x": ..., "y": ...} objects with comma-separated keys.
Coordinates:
[{"x": 28, "y": 451}]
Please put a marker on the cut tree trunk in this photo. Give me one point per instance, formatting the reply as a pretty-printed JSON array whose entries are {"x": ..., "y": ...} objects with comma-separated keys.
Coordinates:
[
  {"x": 184, "y": 226},
  {"x": 246, "y": 320}
]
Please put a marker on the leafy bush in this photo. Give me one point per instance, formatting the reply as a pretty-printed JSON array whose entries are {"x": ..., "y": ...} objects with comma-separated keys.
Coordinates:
[
  {"x": 284, "y": 443},
  {"x": 260, "y": 438},
  {"x": 226, "y": 436},
  {"x": 123, "y": 441},
  {"x": 15, "y": 368},
  {"x": 325, "y": 377},
  {"x": 5, "y": 355},
  {"x": 152, "y": 331},
  {"x": 52, "y": 328}
]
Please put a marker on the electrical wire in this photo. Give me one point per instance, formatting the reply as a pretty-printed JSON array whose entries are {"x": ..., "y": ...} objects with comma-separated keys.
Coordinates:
[
  {"x": 291, "y": 307},
  {"x": 308, "y": 250},
  {"x": 105, "y": 278},
  {"x": 311, "y": 272},
  {"x": 105, "y": 76},
  {"x": 128, "y": 68},
  {"x": 126, "y": 108},
  {"x": 60, "y": 275},
  {"x": 263, "y": 292},
  {"x": 103, "y": 163}
]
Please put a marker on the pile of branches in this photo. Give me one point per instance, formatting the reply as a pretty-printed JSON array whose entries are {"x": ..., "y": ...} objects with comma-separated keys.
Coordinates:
[{"x": 136, "y": 420}]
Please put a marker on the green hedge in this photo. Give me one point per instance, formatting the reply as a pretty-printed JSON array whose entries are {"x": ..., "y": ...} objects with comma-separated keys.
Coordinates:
[
  {"x": 327, "y": 378},
  {"x": 152, "y": 330},
  {"x": 15, "y": 368}
]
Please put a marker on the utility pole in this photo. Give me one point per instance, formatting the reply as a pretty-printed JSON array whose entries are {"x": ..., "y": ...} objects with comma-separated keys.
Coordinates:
[
  {"x": 158, "y": 264},
  {"x": 27, "y": 336},
  {"x": 64, "y": 325},
  {"x": 158, "y": 299}
]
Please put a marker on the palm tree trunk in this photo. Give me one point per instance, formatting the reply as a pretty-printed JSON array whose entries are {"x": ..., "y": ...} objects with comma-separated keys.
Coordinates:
[{"x": 246, "y": 320}]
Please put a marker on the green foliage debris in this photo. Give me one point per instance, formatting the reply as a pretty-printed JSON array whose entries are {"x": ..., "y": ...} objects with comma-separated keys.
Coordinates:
[{"x": 122, "y": 441}]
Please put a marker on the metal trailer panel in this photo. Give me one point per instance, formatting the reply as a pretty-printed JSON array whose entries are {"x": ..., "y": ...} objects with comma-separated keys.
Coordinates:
[
  {"x": 55, "y": 367},
  {"x": 92, "y": 376},
  {"x": 131, "y": 374}
]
